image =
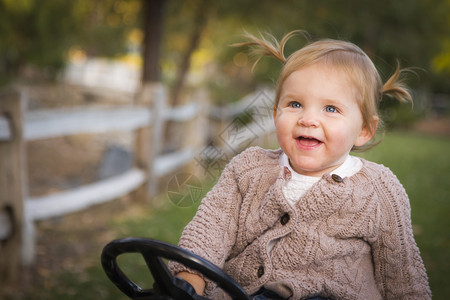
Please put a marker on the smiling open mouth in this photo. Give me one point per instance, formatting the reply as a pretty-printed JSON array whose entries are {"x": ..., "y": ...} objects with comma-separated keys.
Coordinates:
[{"x": 308, "y": 141}]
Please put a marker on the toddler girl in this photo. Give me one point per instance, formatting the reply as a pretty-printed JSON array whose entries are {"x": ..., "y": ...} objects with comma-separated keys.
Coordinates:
[{"x": 310, "y": 221}]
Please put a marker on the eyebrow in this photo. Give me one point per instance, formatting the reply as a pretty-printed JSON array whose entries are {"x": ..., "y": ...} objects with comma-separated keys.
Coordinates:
[
  {"x": 334, "y": 101},
  {"x": 290, "y": 97}
]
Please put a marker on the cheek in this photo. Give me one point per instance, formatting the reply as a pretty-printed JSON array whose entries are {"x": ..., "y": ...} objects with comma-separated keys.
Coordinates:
[
  {"x": 342, "y": 134},
  {"x": 280, "y": 123},
  {"x": 280, "y": 131},
  {"x": 283, "y": 130}
]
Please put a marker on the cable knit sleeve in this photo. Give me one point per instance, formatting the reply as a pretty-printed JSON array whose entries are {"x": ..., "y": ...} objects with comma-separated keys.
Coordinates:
[
  {"x": 212, "y": 231},
  {"x": 399, "y": 270}
]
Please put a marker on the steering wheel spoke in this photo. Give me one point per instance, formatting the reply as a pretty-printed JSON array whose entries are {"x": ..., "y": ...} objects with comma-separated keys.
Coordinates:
[
  {"x": 166, "y": 285},
  {"x": 161, "y": 274}
]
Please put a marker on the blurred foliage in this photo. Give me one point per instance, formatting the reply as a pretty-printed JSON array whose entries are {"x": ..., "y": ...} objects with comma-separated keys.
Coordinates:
[
  {"x": 42, "y": 33},
  {"x": 33, "y": 34},
  {"x": 37, "y": 36}
]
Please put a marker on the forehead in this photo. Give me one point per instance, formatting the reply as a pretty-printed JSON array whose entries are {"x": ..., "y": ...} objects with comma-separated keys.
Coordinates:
[{"x": 320, "y": 78}]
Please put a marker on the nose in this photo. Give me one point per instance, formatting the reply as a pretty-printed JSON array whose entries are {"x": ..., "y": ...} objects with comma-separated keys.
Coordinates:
[{"x": 308, "y": 119}]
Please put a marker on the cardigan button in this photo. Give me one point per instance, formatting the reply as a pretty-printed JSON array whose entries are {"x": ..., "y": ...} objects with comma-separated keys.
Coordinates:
[
  {"x": 285, "y": 219},
  {"x": 260, "y": 271},
  {"x": 337, "y": 178}
]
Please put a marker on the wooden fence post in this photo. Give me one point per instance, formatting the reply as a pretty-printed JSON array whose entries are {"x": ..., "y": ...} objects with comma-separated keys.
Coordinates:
[
  {"x": 159, "y": 98},
  {"x": 148, "y": 139},
  {"x": 12, "y": 185},
  {"x": 196, "y": 131}
]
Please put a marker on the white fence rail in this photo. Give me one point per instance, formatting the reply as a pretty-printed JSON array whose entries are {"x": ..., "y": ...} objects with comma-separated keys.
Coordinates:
[
  {"x": 45, "y": 124},
  {"x": 61, "y": 122},
  {"x": 55, "y": 205}
]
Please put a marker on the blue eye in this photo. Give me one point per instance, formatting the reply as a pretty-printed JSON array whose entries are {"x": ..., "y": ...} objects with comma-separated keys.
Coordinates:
[
  {"x": 295, "y": 104},
  {"x": 331, "y": 109}
]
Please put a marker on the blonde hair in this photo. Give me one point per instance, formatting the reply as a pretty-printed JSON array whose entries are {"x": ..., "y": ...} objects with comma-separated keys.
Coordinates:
[{"x": 345, "y": 56}]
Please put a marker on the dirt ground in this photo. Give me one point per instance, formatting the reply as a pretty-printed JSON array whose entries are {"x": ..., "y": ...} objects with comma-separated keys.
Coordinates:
[{"x": 73, "y": 242}]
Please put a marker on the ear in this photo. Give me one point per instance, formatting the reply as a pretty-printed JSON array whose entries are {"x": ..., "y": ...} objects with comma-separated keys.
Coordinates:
[{"x": 366, "y": 134}]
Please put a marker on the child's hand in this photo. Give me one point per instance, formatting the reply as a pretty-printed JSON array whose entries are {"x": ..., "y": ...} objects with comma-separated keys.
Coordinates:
[{"x": 195, "y": 280}]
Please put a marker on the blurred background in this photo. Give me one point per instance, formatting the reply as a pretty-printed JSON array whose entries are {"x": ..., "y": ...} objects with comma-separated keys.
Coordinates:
[{"x": 69, "y": 56}]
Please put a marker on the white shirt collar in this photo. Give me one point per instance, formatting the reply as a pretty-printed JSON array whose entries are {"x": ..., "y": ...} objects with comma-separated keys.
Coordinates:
[{"x": 351, "y": 166}]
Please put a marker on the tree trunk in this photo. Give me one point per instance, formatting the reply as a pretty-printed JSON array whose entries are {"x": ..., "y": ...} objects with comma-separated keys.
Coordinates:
[
  {"x": 153, "y": 23},
  {"x": 151, "y": 87},
  {"x": 200, "y": 20}
]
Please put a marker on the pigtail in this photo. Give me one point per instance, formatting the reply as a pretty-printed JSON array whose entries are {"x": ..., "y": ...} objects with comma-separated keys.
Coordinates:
[
  {"x": 395, "y": 87},
  {"x": 268, "y": 46}
]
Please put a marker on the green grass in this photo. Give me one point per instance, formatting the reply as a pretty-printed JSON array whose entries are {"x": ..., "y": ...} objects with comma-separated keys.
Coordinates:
[{"x": 421, "y": 163}]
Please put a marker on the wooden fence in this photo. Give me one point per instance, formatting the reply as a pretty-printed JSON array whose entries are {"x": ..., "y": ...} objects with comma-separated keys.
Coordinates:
[{"x": 19, "y": 212}]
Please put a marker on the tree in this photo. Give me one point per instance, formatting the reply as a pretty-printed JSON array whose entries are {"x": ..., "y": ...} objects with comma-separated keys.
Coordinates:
[
  {"x": 153, "y": 22},
  {"x": 28, "y": 34},
  {"x": 41, "y": 33},
  {"x": 200, "y": 18}
]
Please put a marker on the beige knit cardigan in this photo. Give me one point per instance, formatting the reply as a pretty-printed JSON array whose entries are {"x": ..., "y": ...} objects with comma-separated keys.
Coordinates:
[{"x": 345, "y": 238}]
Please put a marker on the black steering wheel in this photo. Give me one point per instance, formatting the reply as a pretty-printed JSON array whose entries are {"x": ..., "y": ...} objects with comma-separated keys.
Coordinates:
[{"x": 166, "y": 285}]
